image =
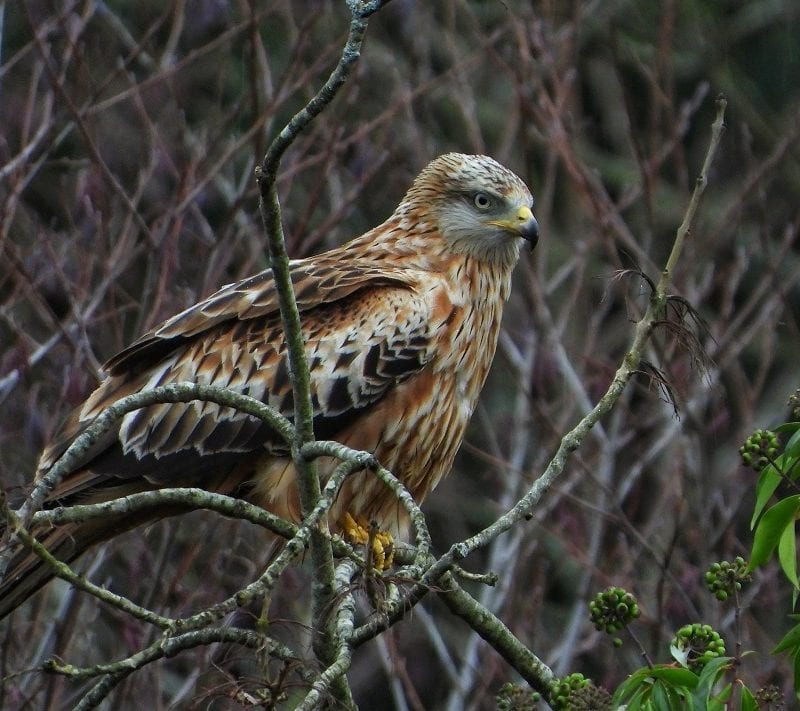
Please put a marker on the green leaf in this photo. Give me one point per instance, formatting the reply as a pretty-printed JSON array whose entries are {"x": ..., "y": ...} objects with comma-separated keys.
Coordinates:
[
  {"x": 792, "y": 447},
  {"x": 668, "y": 698},
  {"x": 767, "y": 482},
  {"x": 791, "y": 456},
  {"x": 680, "y": 655},
  {"x": 708, "y": 677},
  {"x": 638, "y": 688},
  {"x": 659, "y": 697},
  {"x": 677, "y": 676},
  {"x": 749, "y": 702},
  {"x": 771, "y": 527},
  {"x": 679, "y": 699},
  {"x": 639, "y": 699},
  {"x": 722, "y": 697},
  {"x": 787, "y": 554},
  {"x": 791, "y": 640},
  {"x": 627, "y": 689},
  {"x": 714, "y": 705},
  {"x": 660, "y": 687}
]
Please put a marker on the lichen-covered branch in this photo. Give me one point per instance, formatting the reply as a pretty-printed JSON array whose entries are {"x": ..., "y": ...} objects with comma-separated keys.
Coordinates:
[
  {"x": 115, "y": 672},
  {"x": 76, "y": 452},
  {"x": 308, "y": 477},
  {"x": 63, "y": 571},
  {"x": 170, "y": 646},
  {"x": 365, "y": 460},
  {"x": 293, "y": 548},
  {"x": 496, "y": 634},
  {"x": 192, "y": 499},
  {"x": 334, "y": 675},
  {"x": 434, "y": 575}
]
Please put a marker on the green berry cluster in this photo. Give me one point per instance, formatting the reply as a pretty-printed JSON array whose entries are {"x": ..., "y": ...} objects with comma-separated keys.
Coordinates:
[
  {"x": 613, "y": 609},
  {"x": 514, "y": 697},
  {"x": 724, "y": 578},
  {"x": 577, "y": 693},
  {"x": 759, "y": 449},
  {"x": 701, "y": 643}
]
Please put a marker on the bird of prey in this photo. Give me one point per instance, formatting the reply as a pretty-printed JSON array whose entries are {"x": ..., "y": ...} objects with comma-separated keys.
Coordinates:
[{"x": 400, "y": 326}]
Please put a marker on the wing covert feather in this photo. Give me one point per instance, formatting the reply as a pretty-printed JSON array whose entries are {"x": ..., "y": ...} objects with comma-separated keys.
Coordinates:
[
  {"x": 358, "y": 347},
  {"x": 315, "y": 282}
]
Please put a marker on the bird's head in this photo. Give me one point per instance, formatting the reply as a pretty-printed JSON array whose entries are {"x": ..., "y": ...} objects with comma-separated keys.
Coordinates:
[{"x": 479, "y": 207}]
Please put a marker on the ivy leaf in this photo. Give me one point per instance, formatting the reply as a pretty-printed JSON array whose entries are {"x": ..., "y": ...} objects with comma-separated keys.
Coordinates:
[
  {"x": 720, "y": 700},
  {"x": 768, "y": 481},
  {"x": 787, "y": 555},
  {"x": 667, "y": 697},
  {"x": 680, "y": 655},
  {"x": 791, "y": 455},
  {"x": 674, "y": 675},
  {"x": 639, "y": 689},
  {"x": 770, "y": 529},
  {"x": 791, "y": 640},
  {"x": 788, "y": 427},
  {"x": 708, "y": 677},
  {"x": 748, "y": 702}
]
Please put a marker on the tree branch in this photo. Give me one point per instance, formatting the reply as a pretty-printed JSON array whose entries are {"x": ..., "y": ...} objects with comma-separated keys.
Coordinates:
[
  {"x": 83, "y": 444},
  {"x": 499, "y": 637},
  {"x": 433, "y": 577},
  {"x": 63, "y": 571},
  {"x": 192, "y": 499},
  {"x": 365, "y": 460},
  {"x": 115, "y": 672},
  {"x": 307, "y": 474},
  {"x": 630, "y": 363},
  {"x": 335, "y": 673}
]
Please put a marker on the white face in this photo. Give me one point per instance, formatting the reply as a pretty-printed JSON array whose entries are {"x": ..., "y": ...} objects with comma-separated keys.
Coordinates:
[{"x": 486, "y": 209}]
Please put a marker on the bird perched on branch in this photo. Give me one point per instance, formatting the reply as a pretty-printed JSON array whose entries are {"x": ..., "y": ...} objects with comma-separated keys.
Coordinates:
[{"x": 400, "y": 327}]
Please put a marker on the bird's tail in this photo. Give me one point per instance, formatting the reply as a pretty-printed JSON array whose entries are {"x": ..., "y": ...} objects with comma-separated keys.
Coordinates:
[{"x": 28, "y": 572}]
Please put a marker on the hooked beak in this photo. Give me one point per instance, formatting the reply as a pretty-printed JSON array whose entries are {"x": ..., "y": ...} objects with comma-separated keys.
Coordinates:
[{"x": 523, "y": 224}]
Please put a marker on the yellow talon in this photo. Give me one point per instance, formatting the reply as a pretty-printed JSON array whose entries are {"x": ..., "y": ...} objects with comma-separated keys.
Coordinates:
[
  {"x": 354, "y": 531},
  {"x": 383, "y": 550},
  {"x": 359, "y": 531}
]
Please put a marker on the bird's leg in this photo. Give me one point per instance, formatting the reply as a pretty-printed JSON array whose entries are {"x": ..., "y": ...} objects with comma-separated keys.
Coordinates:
[{"x": 379, "y": 544}]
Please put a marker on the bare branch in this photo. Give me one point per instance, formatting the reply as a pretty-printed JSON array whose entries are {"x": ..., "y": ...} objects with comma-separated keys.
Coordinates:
[{"x": 307, "y": 474}]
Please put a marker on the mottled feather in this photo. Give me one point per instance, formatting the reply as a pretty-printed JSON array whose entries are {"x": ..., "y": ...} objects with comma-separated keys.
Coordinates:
[{"x": 400, "y": 325}]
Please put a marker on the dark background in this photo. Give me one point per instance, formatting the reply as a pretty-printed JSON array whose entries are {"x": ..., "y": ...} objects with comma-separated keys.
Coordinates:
[{"x": 128, "y": 137}]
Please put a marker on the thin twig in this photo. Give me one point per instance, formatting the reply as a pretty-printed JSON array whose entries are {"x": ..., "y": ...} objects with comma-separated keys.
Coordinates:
[
  {"x": 63, "y": 571},
  {"x": 266, "y": 175},
  {"x": 76, "y": 453},
  {"x": 630, "y": 363},
  {"x": 569, "y": 443},
  {"x": 345, "y": 613},
  {"x": 501, "y": 639},
  {"x": 116, "y": 672}
]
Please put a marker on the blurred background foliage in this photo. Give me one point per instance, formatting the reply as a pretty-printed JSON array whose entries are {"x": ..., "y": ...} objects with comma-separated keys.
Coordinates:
[{"x": 129, "y": 135}]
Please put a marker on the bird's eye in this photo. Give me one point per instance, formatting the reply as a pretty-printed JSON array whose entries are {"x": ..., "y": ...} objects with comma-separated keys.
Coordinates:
[{"x": 482, "y": 201}]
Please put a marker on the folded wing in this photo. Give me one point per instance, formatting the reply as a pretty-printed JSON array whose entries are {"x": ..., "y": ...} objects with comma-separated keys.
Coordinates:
[{"x": 367, "y": 328}]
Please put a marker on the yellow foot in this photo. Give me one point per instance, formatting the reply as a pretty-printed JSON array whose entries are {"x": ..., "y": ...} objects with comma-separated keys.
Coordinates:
[{"x": 381, "y": 544}]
